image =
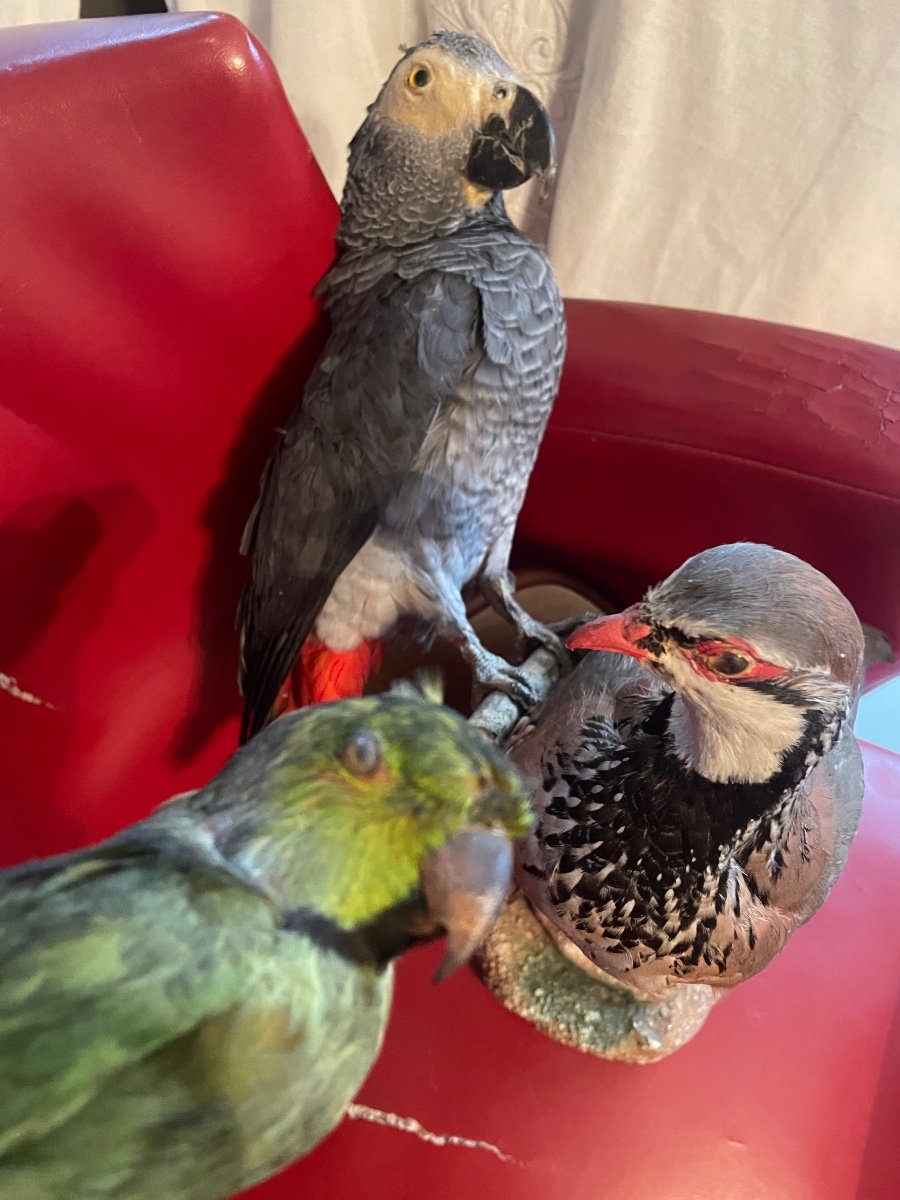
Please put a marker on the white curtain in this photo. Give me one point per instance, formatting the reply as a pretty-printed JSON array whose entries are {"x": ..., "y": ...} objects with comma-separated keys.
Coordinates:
[{"x": 30, "y": 12}]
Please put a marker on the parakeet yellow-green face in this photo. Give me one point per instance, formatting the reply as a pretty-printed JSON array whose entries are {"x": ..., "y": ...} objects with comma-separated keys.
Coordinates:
[
  {"x": 191, "y": 1005},
  {"x": 379, "y": 783}
]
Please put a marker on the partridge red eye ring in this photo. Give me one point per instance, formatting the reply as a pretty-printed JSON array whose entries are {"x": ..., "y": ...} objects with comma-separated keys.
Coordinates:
[{"x": 418, "y": 78}]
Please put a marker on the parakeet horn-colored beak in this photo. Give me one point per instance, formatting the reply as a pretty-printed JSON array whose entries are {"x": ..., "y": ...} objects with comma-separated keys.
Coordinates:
[
  {"x": 617, "y": 633},
  {"x": 465, "y": 883},
  {"x": 508, "y": 150}
]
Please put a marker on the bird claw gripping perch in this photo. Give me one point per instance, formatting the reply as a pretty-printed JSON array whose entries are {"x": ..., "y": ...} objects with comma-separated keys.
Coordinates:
[{"x": 498, "y": 713}]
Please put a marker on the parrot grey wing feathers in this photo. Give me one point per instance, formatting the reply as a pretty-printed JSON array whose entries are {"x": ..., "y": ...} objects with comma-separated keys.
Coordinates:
[
  {"x": 399, "y": 351},
  {"x": 495, "y": 262}
]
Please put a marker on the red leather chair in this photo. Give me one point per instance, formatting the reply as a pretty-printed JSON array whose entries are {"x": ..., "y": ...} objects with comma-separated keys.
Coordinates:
[{"x": 163, "y": 225}]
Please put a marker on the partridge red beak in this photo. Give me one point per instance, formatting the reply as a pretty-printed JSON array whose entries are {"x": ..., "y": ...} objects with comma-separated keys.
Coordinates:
[{"x": 616, "y": 634}]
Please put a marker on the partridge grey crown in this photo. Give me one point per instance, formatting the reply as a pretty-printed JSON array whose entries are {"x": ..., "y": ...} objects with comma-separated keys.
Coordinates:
[{"x": 787, "y": 609}]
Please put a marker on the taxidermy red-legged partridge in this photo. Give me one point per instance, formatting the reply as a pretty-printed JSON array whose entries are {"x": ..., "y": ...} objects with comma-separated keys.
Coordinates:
[{"x": 698, "y": 785}]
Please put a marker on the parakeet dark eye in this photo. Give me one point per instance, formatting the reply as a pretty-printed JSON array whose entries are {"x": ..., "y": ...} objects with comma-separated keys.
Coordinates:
[
  {"x": 728, "y": 663},
  {"x": 501, "y": 91},
  {"x": 418, "y": 78},
  {"x": 362, "y": 754}
]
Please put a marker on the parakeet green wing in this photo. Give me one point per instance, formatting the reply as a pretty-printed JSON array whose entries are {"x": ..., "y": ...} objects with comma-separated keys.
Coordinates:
[
  {"x": 105, "y": 956},
  {"x": 401, "y": 347}
]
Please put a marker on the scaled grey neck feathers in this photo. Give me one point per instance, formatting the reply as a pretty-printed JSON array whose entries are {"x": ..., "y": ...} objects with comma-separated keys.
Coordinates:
[{"x": 397, "y": 196}]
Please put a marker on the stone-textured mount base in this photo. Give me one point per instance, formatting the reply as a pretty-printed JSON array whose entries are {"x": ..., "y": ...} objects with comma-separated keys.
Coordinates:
[{"x": 521, "y": 964}]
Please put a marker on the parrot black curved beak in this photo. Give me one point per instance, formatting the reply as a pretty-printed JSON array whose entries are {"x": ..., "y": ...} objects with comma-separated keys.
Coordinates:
[
  {"x": 464, "y": 884},
  {"x": 508, "y": 151}
]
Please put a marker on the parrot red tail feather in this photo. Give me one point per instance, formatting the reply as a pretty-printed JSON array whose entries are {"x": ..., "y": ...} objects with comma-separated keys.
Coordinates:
[{"x": 323, "y": 674}]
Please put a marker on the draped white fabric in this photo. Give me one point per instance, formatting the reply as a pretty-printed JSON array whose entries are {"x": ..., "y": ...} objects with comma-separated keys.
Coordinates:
[
  {"x": 31, "y": 12},
  {"x": 735, "y": 155}
]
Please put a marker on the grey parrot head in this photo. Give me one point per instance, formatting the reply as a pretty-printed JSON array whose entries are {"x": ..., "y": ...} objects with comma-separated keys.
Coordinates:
[
  {"x": 450, "y": 129},
  {"x": 754, "y": 641}
]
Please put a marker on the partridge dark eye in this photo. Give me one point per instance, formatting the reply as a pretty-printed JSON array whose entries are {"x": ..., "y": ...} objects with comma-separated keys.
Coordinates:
[
  {"x": 728, "y": 662},
  {"x": 362, "y": 754},
  {"x": 419, "y": 77}
]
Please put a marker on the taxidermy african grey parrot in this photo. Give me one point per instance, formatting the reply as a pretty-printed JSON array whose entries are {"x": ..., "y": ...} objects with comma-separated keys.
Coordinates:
[
  {"x": 698, "y": 785},
  {"x": 400, "y": 477},
  {"x": 192, "y": 1004}
]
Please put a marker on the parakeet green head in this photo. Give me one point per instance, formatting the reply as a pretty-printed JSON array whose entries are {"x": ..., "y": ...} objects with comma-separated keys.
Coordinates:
[
  {"x": 451, "y": 128},
  {"x": 388, "y": 816}
]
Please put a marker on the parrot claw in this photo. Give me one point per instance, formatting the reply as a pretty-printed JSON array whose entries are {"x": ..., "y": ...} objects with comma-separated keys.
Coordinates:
[
  {"x": 550, "y": 640},
  {"x": 532, "y": 634},
  {"x": 493, "y": 674}
]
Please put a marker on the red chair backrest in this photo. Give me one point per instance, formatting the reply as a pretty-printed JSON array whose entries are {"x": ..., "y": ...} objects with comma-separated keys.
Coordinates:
[{"x": 160, "y": 244}]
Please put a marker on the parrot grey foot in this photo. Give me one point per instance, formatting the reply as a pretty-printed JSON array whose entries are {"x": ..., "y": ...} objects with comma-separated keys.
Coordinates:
[
  {"x": 494, "y": 674},
  {"x": 533, "y": 634},
  {"x": 530, "y": 632}
]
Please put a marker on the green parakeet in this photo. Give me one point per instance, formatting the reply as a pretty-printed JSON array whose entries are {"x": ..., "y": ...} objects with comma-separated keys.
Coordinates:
[{"x": 191, "y": 1005}]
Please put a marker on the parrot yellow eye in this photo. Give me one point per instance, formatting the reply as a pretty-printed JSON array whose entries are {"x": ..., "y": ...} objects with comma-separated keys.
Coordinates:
[
  {"x": 418, "y": 78},
  {"x": 728, "y": 663},
  {"x": 362, "y": 754},
  {"x": 501, "y": 91}
]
